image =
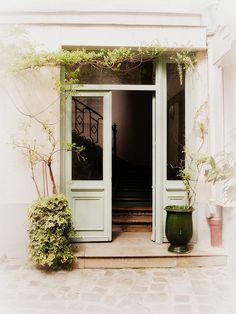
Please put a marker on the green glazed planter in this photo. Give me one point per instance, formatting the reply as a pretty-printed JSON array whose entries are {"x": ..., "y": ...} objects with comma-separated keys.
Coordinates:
[{"x": 179, "y": 228}]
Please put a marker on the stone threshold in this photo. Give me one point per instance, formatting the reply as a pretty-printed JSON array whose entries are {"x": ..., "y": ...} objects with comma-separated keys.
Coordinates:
[{"x": 136, "y": 250}]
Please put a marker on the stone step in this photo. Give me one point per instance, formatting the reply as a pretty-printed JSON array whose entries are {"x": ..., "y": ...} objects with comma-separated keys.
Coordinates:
[
  {"x": 131, "y": 218},
  {"x": 132, "y": 227},
  {"x": 132, "y": 199},
  {"x": 136, "y": 250},
  {"x": 125, "y": 208},
  {"x": 117, "y": 202}
]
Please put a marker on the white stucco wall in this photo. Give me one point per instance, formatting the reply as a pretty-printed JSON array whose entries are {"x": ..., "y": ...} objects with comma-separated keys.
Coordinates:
[{"x": 31, "y": 94}]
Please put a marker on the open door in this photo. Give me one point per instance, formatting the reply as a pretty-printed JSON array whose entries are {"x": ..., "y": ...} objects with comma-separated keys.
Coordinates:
[{"x": 88, "y": 176}]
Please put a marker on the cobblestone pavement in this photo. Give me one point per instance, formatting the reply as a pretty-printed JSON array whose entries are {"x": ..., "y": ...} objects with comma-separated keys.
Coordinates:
[{"x": 26, "y": 290}]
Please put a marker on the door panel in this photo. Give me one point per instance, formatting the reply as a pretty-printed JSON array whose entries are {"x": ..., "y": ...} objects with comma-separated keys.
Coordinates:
[{"x": 88, "y": 175}]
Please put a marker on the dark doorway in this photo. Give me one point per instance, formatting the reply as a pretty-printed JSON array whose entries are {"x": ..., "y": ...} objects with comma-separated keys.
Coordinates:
[{"x": 132, "y": 161}]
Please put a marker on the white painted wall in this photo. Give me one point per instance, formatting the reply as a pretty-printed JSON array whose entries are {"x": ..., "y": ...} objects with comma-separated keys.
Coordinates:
[{"x": 31, "y": 94}]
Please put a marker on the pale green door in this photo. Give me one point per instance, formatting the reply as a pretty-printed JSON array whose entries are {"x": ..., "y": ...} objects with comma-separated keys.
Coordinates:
[{"x": 88, "y": 177}]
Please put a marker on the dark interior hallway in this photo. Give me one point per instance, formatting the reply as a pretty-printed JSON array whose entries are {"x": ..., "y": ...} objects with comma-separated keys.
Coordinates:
[{"x": 132, "y": 166}]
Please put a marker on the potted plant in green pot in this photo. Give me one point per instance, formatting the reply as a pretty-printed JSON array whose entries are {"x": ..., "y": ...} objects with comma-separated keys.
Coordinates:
[
  {"x": 179, "y": 223},
  {"x": 179, "y": 228}
]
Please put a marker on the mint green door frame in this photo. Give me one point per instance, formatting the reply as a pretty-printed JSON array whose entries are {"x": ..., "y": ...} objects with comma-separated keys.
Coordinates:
[
  {"x": 172, "y": 191},
  {"x": 164, "y": 192},
  {"x": 90, "y": 200},
  {"x": 67, "y": 185}
]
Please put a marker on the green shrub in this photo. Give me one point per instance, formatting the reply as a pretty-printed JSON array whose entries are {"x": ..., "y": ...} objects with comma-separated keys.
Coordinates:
[{"x": 49, "y": 233}]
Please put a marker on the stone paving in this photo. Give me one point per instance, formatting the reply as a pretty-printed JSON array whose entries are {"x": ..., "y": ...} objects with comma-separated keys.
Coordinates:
[{"x": 26, "y": 290}]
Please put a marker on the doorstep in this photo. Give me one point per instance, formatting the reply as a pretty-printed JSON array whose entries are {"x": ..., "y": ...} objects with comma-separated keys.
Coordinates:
[{"x": 136, "y": 250}]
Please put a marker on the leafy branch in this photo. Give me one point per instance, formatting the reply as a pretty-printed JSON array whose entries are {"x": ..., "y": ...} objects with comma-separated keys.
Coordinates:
[
  {"x": 191, "y": 167},
  {"x": 223, "y": 169},
  {"x": 185, "y": 61},
  {"x": 190, "y": 173},
  {"x": 37, "y": 154}
]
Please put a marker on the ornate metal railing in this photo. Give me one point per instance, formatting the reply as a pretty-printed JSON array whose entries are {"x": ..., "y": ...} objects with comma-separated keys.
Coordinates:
[
  {"x": 84, "y": 113},
  {"x": 81, "y": 113}
]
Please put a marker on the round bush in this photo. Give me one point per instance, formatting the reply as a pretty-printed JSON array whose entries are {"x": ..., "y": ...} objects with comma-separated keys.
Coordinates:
[{"x": 49, "y": 233}]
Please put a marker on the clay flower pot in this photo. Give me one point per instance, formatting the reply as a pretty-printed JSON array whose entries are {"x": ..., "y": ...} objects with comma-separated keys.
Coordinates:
[{"x": 215, "y": 225}]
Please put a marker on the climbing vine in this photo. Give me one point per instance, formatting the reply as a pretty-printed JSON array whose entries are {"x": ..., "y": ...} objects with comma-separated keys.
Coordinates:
[{"x": 116, "y": 60}]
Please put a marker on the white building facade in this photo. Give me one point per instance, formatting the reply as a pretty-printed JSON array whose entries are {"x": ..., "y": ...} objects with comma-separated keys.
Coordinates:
[{"x": 94, "y": 25}]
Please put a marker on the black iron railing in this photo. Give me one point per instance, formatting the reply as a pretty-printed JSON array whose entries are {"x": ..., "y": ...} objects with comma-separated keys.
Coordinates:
[{"x": 84, "y": 114}]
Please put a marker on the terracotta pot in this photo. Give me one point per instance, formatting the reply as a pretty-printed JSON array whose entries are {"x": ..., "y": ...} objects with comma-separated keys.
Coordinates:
[{"x": 215, "y": 225}]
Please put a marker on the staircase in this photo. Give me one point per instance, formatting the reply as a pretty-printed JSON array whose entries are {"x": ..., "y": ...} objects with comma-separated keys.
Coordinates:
[{"x": 132, "y": 200}]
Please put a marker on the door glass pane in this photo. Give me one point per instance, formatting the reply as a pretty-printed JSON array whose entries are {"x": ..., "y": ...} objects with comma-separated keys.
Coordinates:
[
  {"x": 129, "y": 73},
  {"x": 87, "y": 131},
  {"x": 175, "y": 122}
]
